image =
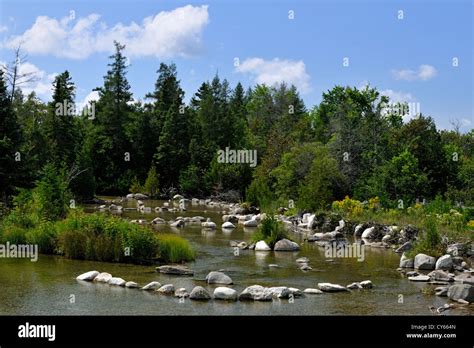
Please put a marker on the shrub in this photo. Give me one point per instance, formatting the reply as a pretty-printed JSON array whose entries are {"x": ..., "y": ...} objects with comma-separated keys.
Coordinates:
[
  {"x": 52, "y": 193},
  {"x": 136, "y": 187},
  {"x": 44, "y": 235},
  {"x": 350, "y": 207},
  {"x": 151, "y": 186},
  {"x": 13, "y": 234},
  {"x": 270, "y": 231},
  {"x": 259, "y": 194},
  {"x": 173, "y": 248},
  {"x": 429, "y": 242},
  {"x": 73, "y": 244}
]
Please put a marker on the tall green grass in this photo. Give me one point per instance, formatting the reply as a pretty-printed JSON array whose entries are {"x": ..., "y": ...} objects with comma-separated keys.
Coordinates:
[
  {"x": 173, "y": 248},
  {"x": 429, "y": 242},
  {"x": 97, "y": 237}
]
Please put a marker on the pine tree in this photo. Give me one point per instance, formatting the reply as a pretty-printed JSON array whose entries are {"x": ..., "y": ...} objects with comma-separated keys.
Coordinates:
[
  {"x": 108, "y": 143},
  {"x": 151, "y": 184},
  {"x": 10, "y": 138},
  {"x": 58, "y": 128},
  {"x": 171, "y": 117}
]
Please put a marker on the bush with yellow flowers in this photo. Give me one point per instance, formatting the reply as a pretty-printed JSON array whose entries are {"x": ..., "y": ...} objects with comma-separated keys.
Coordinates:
[{"x": 348, "y": 206}]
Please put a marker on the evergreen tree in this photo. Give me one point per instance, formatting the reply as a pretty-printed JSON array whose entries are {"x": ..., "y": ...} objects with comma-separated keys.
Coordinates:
[
  {"x": 171, "y": 155},
  {"x": 59, "y": 129},
  {"x": 108, "y": 144},
  {"x": 10, "y": 138}
]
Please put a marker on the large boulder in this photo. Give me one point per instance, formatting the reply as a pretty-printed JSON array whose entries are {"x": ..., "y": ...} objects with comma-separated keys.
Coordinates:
[
  {"x": 464, "y": 278},
  {"x": 256, "y": 293},
  {"x": 103, "y": 277},
  {"x": 167, "y": 289},
  {"x": 228, "y": 225},
  {"x": 140, "y": 196},
  {"x": 312, "y": 291},
  {"x": 177, "y": 223},
  {"x": 358, "y": 230},
  {"x": 88, "y": 276},
  {"x": 445, "y": 262},
  {"x": 199, "y": 294},
  {"x": 152, "y": 286},
  {"x": 181, "y": 293},
  {"x": 176, "y": 270},
  {"x": 440, "y": 275},
  {"x": 209, "y": 224},
  {"x": 368, "y": 233},
  {"x": 158, "y": 220},
  {"x": 404, "y": 247},
  {"x": 354, "y": 286},
  {"x": 295, "y": 292},
  {"x": 218, "y": 278},
  {"x": 406, "y": 262},
  {"x": 457, "y": 249},
  {"x": 280, "y": 291},
  {"x": 224, "y": 293},
  {"x": 251, "y": 223},
  {"x": 286, "y": 245},
  {"x": 328, "y": 287},
  {"x": 131, "y": 285},
  {"x": 423, "y": 261},
  {"x": 116, "y": 281},
  {"x": 461, "y": 292},
  {"x": 262, "y": 246}
]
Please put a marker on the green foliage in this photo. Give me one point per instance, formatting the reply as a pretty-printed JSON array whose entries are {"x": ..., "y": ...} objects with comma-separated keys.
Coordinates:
[
  {"x": 136, "y": 187},
  {"x": 349, "y": 144},
  {"x": 429, "y": 242},
  {"x": 10, "y": 138},
  {"x": 105, "y": 238},
  {"x": 44, "y": 235},
  {"x": 59, "y": 131},
  {"x": 322, "y": 184},
  {"x": 106, "y": 140},
  {"x": 259, "y": 194},
  {"x": 270, "y": 231},
  {"x": 151, "y": 186},
  {"x": 293, "y": 170},
  {"x": 401, "y": 178},
  {"x": 52, "y": 194},
  {"x": 175, "y": 249}
]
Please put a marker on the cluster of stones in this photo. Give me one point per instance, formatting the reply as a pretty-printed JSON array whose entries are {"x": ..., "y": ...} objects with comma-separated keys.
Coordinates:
[
  {"x": 451, "y": 273},
  {"x": 222, "y": 292}
]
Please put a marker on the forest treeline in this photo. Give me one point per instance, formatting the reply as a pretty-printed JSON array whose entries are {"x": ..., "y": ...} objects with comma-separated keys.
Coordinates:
[{"x": 348, "y": 145}]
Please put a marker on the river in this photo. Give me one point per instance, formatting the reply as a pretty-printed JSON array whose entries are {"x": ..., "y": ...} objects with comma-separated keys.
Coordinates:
[{"x": 49, "y": 287}]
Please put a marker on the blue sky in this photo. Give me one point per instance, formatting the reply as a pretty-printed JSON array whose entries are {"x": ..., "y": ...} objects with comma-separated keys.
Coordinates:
[{"x": 408, "y": 59}]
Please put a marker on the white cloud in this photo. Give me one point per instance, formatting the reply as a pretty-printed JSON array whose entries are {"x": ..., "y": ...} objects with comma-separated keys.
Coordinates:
[
  {"x": 272, "y": 72},
  {"x": 3, "y": 28},
  {"x": 466, "y": 123},
  {"x": 41, "y": 84},
  {"x": 167, "y": 34},
  {"x": 424, "y": 73}
]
